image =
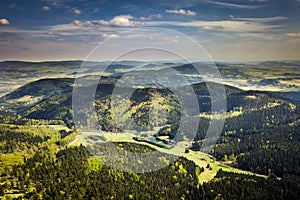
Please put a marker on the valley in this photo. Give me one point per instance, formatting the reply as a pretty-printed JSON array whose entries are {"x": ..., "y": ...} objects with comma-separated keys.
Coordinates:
[{"x": 199, "y": 158}]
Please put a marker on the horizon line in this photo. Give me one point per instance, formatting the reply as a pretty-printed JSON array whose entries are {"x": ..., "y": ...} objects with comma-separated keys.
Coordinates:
[{"x": 152, "y": 61}]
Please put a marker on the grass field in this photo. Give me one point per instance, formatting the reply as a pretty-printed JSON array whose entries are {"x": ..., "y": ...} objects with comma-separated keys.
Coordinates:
[
  {"x": 199, "y": 158},
  {"x": 43, "y": 130},
  {"x": 10, "y": 159}
]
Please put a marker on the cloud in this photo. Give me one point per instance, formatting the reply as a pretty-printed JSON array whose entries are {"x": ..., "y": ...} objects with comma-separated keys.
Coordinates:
[
  {"x": 76, "y": 26},
  {"x": 249, "y": 25},
  {"x": 4, "y": 21},
  {"x": 182, "y": 12},
  {"x": 46, "y": 8},
  {"x": 76, "y": 11},
  {"x": 231, "y": 26},
  {"x": 234, "y": 25},
  {"x": 151, "y": 17},
  {"x": 232, "y": 5},
  {"x": 83, "y": 24},
  {"x": 264, "y": 19},
  {"x": 110, "y": 36},
  {"x": 295, "y": 35},
  {"x": 120, "y": 20},
  {"x": 261, "y": 36}
]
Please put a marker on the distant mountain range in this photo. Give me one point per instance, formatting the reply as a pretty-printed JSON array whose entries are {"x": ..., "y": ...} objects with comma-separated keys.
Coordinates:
[{"x": 283, "y": 76}]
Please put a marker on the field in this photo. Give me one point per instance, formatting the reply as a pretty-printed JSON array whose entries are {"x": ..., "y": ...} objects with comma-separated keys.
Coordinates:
[{"x": 199, "y": 158}]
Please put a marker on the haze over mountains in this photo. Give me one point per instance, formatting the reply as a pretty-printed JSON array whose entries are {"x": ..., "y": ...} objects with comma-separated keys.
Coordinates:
[{"x": 282, "y": 76}]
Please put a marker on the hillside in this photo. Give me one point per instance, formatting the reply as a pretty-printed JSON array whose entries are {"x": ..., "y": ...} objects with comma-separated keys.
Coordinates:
[{"x": 51, "y": 99}]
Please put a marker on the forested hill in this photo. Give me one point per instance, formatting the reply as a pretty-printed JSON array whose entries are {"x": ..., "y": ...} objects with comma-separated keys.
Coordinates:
[
  {"x": 72, "y": 174},
  {"x": 43, "y": 87},
  {"x": 51, "y": 98}
]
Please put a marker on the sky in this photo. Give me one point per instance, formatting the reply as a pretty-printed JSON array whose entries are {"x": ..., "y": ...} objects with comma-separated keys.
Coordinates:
[{"x": 231, "y": 30}]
